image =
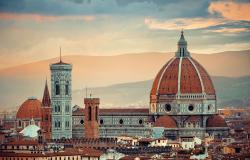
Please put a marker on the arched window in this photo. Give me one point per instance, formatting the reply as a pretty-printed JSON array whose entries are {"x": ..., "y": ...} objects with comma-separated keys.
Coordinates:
[
  {"x": 46, "y": 117},
  {"x": 67, "y": 108},
  {"x": 90, "y": 114},
  {"x": 67, "y": 124},
  {"x": 96, "y": 113},
  {"x": 67, "y": 88},
  {"x": 57, "y": 88},
  {"x": 19, "y": 123}
]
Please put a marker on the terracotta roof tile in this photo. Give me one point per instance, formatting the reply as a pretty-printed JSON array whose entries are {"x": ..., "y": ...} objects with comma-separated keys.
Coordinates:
[
  {"x": 31, "y": 108},
  {"x": 165, "y": 121},
  {"x": 216, "y": 121}
]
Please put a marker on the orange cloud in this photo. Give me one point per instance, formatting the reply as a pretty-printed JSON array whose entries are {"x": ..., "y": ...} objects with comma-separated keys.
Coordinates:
[
  {"x": 183, "y": 23},
  {"x": 230, "y": 30},
  {"x": 40, "y": 18},
  {"x": 231, "y": 10}
]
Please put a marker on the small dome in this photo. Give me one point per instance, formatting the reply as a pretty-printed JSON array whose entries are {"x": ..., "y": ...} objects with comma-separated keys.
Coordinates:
[
  {"x": 31, "y": 108},
  {"x": 165, "y": 121},
  {"x": 30, "y": 131},
  {"x": 216, "y": 121},
  {"x": 194, "y": 119}
]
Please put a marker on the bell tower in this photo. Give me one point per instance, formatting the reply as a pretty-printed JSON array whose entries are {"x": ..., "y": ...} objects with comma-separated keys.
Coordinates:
[
  {"x": 91, "y": 117},
  {"x": 61, "y": 97}
]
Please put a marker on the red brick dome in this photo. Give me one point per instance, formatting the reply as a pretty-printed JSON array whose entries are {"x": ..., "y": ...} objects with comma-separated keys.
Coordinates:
[
  {"x": 31, "y": 108},
  {"x": 192, "y": 76},
  {"x": 182, "y": 74},
  {"x": 166, "y": 122},
  {"x": 216, "y": 121}
]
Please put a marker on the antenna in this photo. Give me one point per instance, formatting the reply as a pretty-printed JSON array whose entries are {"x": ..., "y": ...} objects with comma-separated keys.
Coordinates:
[
  {"x": 86, "y": 90},
  {"x": 90, "y": 93},
  {"x": 60, "y": 55}
]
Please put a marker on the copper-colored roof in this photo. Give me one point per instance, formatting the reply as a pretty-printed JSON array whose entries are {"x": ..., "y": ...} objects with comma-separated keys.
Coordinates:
[
  {"x": 192, "y": 76},
  {"x": 88, "y": 152},
  {"x": 108, "y": 111},
  {"x": 31, "y": 108},
  {"x": 78, "y": 112},
  {"x": 60, "y": 63},
  {"x": 23, "y": 142},
  {"x": 216, "y": 121},
  {"x": 166, "y": 122}
]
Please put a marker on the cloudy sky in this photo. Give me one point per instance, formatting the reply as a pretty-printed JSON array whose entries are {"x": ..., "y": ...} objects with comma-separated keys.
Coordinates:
[{"x": 32, "y": 30}]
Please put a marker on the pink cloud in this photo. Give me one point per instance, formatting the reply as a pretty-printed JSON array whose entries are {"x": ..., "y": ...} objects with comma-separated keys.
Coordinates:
[
  {"x": 182, "y": 23},
  {"x": 40, "y": 18},
  {"x": 231, "y": 10}
]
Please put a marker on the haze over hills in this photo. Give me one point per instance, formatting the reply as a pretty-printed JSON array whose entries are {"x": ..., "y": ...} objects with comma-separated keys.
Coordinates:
[
  {"x": 19, "y": 82},
  {"x": 230, "y": 92}
]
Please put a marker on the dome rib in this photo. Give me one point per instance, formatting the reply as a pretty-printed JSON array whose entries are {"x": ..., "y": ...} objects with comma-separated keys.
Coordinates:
[
  {"x": 158, "y": 78},
  {"x": 199, "y": 75},
  {"x": 207, "y": 81},
  {"x": 169, "y": 81}
]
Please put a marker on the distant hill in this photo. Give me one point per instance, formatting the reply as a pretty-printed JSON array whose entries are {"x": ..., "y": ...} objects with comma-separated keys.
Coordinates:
[
  {"x": 19, "y": 82},
  {"x": 230, "y": 92}
]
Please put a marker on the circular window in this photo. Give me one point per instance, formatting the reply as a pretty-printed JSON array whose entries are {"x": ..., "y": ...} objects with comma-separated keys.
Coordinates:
[
  {"x": 81, "y": 121},
  {"x": 121, "y": 121},
  {"x": 191, "y": 107},
  {"x": 101, "y": 121},
  {"x": 140, "y": 121},
  {"x": 168, "y": 107}
]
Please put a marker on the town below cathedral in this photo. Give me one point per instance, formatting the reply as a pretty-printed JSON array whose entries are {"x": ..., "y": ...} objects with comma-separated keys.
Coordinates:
[{"x": 181, "y": 121}]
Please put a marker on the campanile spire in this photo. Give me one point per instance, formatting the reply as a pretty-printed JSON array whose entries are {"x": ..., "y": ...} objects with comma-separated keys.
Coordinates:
[{"x": 46, "y": 97}]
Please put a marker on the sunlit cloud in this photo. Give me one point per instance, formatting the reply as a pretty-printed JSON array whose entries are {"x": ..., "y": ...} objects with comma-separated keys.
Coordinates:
[
  {"x": 215, "y": 48},
  {"x": 231, "y": 10},
  {"x": 183, "y": 23},
  {"x": 41, "y": 18},
  {"x": 230, "y": 30}
]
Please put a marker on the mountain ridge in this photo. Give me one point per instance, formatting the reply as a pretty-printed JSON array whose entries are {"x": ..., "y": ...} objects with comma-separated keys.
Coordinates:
[{"x": 18, "y": 83}]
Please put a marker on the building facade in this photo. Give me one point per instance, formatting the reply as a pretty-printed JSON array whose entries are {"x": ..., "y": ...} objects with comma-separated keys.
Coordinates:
[
  {"x": 61, "y": 100},
  {"x": 184, "y": 94},
  {"x": 182, "y": 102},
  {"x": 115, "y": 122}
]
